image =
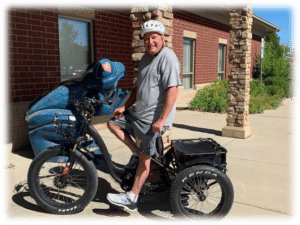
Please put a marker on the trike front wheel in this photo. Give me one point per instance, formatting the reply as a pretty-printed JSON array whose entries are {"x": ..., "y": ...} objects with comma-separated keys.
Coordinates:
[
  {"x": 58, "y": 193},
  {"x": 201, "y": 192}
]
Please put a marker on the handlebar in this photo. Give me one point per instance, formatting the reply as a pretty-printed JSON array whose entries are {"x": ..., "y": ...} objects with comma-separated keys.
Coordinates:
[{"x": 85, "y": 106}]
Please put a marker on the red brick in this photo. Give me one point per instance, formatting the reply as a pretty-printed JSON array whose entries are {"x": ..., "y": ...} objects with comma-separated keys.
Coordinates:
[
  {"x": 26, "y": 98},
  {"x": 40, "y": 63},
  {"x": 26, "y": 74},
  {"x": 19, "y": 44},
  {"x": 40, "y": 74},
  {"x": 33, "y": 22},
  {"x": 21, "y": 68},
  {"x": 35, "y": 45},
  {"x": 20, "y": 56},
  {"x": 48, "y": 13},
  {"x": 23, "y": 26},
  {"x": 25, "y": 63},
  {"x": 39, "y": 40},
  {"x": 53, "y": 52},
  {"x": 37, "y": 91},
  {"x": 41, "y": 85},
  {"x": 38, "y": 28},
  {"x": 53, "y": 41},
  {"x": 36, "y": 68},
  {"x": 36, "y": 80},
  {"x": 24, "y": 50},
  {"x": 47, "y": 24},
  {"x": 48, "y": 35},
  {"x": 14, "y": 87},
  {"x": 51, "y": 30},
  {"x": 52, "y": 19},
  {"x": 34, "y": 57},
  {"x": 39, "y": 51},
  {"x": 21, "y": 80},
  {"x": 22, "y": 92},
  {"x": 37, "y": 17},
  {"x": 49, "y": 57},
  {"x": 18, "y": 19},
  {"x": 22, "y": 14},
  {"x": 53, "y": 63},
  {"x": 49, "y": 68},
  {"x": 23, "y": 39},
  {"x": 51, "y": 80},
  {"x": 48, "y": 46},
  {"x": 34, "y": 34}
]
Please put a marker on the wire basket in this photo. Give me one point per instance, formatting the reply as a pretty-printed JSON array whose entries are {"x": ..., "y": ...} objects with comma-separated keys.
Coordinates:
[{"x": 65, "y": 125}]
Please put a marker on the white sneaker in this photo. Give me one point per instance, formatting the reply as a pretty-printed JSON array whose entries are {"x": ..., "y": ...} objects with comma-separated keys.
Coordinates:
[
  {"x": 122, "y": 200},
  {"x": 133, "y": 162}
]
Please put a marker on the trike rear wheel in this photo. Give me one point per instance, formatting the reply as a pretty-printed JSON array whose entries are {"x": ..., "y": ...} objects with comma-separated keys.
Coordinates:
[
  {"x": 201, "y": 192},
  {"x": 58, "y": 193}
]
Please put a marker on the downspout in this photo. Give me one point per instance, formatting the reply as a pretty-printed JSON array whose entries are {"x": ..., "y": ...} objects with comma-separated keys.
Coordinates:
[{"x": 261, "y": 57}]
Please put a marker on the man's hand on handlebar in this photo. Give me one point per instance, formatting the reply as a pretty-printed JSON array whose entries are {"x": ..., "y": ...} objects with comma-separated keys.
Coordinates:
[{"x": 119, "y": 112}]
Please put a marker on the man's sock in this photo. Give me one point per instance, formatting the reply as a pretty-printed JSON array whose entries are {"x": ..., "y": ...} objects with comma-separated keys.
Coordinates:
[
  {"x": 132, "y": 197},
  {"x": 135, "y": 154}
]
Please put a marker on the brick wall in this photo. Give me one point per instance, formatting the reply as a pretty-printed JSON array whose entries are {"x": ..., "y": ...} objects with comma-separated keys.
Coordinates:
[
  {"x": 206, "y": 45},
  {"x": 33, "y": 52},
  {"x": 255, "y": 48},
  {"x": 34, "y": 64},
  {"x": 112, "y": 40}
]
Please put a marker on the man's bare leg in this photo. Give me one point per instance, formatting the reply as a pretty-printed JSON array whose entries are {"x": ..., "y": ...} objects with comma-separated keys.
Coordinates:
[
  {"x": 122, "y": 135},
  {"x": 142, "y": 173}
]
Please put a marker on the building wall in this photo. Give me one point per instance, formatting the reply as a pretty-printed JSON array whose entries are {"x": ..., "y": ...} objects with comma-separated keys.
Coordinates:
[
  {"x": 206, "y": 45},
  {"x": 112, "y": 40},
  {"x": 255, "y": 49},
  {"x": 34, "y": 64},
  {"x": 208, "y": 34}
]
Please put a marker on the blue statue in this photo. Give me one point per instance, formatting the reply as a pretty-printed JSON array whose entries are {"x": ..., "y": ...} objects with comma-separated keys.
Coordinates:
[{"x": 54, "y": 109}]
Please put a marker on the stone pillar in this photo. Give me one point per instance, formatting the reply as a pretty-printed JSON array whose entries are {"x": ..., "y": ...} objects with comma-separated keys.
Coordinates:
[
  {"x": 239, "y": 76},
  {"x": 139, "y": 15}
]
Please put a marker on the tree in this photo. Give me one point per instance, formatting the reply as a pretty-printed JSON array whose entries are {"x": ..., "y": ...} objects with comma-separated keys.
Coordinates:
[
  {"x": 71, "y": 52},
  {"x": 276, "y": 66}
]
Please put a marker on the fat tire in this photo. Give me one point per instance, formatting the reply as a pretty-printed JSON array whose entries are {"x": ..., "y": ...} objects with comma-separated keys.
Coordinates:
[
  {"x": 189, "y": 173},
  {"x": 71, "y": 208}
]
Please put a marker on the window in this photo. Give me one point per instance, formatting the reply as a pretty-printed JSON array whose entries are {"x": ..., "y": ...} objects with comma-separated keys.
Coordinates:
[
  {"x": 74, "y": 47},
  {"x": 221, "y": 61},
  {"x": 188, "y": 63}
]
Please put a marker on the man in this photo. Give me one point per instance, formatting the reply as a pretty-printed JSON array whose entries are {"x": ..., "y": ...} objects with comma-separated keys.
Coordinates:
[{"x": 155, "y": 95}]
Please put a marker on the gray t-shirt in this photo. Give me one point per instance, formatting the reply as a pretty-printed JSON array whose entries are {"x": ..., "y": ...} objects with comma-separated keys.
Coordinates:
[{"x": 156, "y": 73}]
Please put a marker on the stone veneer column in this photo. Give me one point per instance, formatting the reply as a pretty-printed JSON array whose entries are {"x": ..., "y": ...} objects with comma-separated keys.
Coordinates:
[
  {"x": 239, "y": 77},
  {"x": 139, "y": 15}
]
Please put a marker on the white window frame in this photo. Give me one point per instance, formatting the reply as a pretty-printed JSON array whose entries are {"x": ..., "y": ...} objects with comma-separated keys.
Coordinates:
[
  {"x": 192, "y": 73},
  {"x": 221, "y": 73}
]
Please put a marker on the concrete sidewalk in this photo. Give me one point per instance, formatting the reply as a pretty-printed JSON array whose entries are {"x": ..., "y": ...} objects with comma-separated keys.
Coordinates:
[{"x": 259, "y": 168}]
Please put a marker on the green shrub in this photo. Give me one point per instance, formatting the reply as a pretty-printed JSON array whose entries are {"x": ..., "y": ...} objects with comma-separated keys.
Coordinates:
[
  {"x": 261, "y": 98},
  {"x": 212, "y": 98}
]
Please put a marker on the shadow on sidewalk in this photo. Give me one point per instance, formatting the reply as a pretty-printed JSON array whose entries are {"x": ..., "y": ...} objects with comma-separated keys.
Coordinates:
[
  {"x": 198, "y": 129},
  {"x": 26, "y": 153},
  {"x": 104, "y": 187}
]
